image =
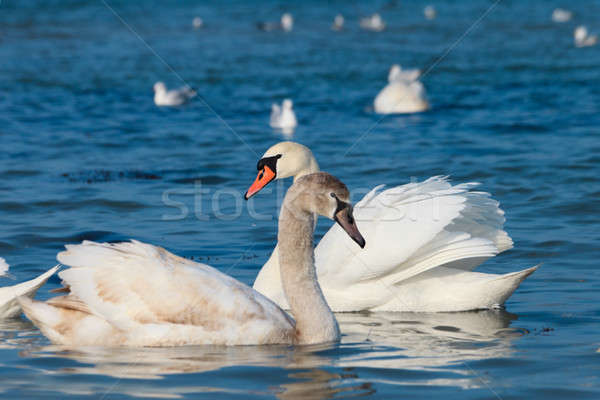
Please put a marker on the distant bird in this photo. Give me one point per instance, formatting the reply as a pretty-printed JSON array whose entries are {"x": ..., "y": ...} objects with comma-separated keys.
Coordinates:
[
  {"x": 403, "y": 94},
  {"x": 3, "y": 267},
  {"x": 197, "y": 23},
  {"x": 372, "y": 23},
  {"x": 9, "y": 305},
  {"x": 338, "y": 23},
  {"x": 429, "y": 12},
  {"x": 561, "y": 15},
  {"x": 176, "y": 97},
  {"x": 283, "y": 117},
  {"x": 583, "y": 38},
  {"x": 286, "y": 24}
]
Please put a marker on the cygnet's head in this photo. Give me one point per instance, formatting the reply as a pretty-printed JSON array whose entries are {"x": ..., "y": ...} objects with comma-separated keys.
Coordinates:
[
  {"x": 287, "y": 104},
  {"x": 160, "y": 87},
  {"x": 287, "y": 22},
  {"x": 324, "y": 194},
  {"x": 280, "y": 161}
]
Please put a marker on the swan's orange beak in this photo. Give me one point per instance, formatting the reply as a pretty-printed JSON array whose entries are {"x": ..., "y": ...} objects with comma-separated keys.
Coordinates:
[
  {"x": 265, "y": 175},
  {"x": 343, "y": 216}
]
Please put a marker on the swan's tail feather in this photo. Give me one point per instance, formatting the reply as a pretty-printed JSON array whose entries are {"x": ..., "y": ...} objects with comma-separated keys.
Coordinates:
[{"x": 505, "y": 285}]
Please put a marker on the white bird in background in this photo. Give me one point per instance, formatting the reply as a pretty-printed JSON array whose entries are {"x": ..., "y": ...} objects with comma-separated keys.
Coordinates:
[
  {"x": 287, "y": 22},
  {"x": 170, "y": 98},
  {"x": 197, "y": 23},
  {"x": 372, "y": 23},
  {"x": 283, "y": 117},
  {"x": 9, "y": 306},
  {"x": 561, "y": 15},
  {"x": 429, "y": 12},
  {"x": 3, "y": 267},
  {"x": 583, "y": 38},
  {"x": 403, "y": 94},
  {"x": 338, "y": 23}
]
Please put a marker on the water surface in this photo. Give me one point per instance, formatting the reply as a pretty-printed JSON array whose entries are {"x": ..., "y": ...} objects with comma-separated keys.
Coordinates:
[{"x": 87, "y": 155}]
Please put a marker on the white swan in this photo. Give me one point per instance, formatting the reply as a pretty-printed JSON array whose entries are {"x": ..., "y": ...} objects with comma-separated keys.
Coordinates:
[
  {"x": 176, "y": 97},
  {"x": 136, "y": 294},
  {"x": 373, "y": 23},
  {"x": 338, "y": 23},
  {"x": 429, "y": 12},
  {"x": 583, "y": 38},
  {"x": 283, "y": 117},
  {"x": 561, "y": 15},
  {"x": 9, "y": 306},
  {"x": 423, "y": 240},
  {"x": 403, "y": 94}
]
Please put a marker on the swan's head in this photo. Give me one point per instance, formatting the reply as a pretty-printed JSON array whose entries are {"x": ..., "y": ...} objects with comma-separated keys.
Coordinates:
[
  {"x": 580, "y": 33},
  {"x": 287, "y": 22},
  {"x": 280, "y": 161},
  {"x": 376, "y": 19},
  {"x": 338, "y": 20},
  {"x": 324, "y": 194},
  {"x": 287, "y": 104},
  {"x": 160, "y": 87},
  {"x": 394, "y": 72}
]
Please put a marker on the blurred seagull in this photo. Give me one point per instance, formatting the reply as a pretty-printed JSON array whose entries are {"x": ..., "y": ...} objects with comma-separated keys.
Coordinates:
[
  {"x": 561, "y": 15},
  {"x": 338, "y": 22},
  {"x": 286, "y": 24},
  {"x": 197, "y": 23},
  {"x": 583, "y": 38},
  {"x": 429, "y": 12},
  {"x": 283, "y": 117},
  {"x": 3, "y": 267},
  {"x": 372, "y": 23},
  {"x": 176, "y": 97}
]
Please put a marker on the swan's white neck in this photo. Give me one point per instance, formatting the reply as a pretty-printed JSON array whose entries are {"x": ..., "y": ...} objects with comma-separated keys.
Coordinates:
[
  {"x": 310, "y": 168},
  {"x": 315, "y": 323},
  {"x": 268, "y": 277}
]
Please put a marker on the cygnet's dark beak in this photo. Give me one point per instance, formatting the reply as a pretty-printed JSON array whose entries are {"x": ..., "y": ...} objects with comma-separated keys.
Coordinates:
[{"x": 343, "y": 216}]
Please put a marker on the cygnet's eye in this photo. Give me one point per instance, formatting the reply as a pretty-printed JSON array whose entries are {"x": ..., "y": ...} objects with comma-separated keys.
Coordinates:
[{"x": 333, "y": 195}]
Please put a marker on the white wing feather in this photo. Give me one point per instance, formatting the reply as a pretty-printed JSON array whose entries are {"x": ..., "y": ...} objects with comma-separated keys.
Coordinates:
[{"x": 410, "y": 229}]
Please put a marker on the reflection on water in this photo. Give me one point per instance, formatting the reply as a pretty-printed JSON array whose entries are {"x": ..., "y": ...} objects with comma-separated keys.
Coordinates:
[{"x": 428, "y": 343}]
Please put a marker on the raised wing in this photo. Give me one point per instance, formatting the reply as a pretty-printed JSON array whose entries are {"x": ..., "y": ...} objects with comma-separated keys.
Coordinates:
[{"x": 410, "y": 229}]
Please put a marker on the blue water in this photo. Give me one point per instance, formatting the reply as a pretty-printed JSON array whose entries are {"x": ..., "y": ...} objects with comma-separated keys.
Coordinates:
[{"x": 87, "y": 155}]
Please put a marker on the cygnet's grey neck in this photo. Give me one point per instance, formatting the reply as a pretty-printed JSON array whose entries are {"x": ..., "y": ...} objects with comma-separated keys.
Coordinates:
[{"x": 315, "y": 323}]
